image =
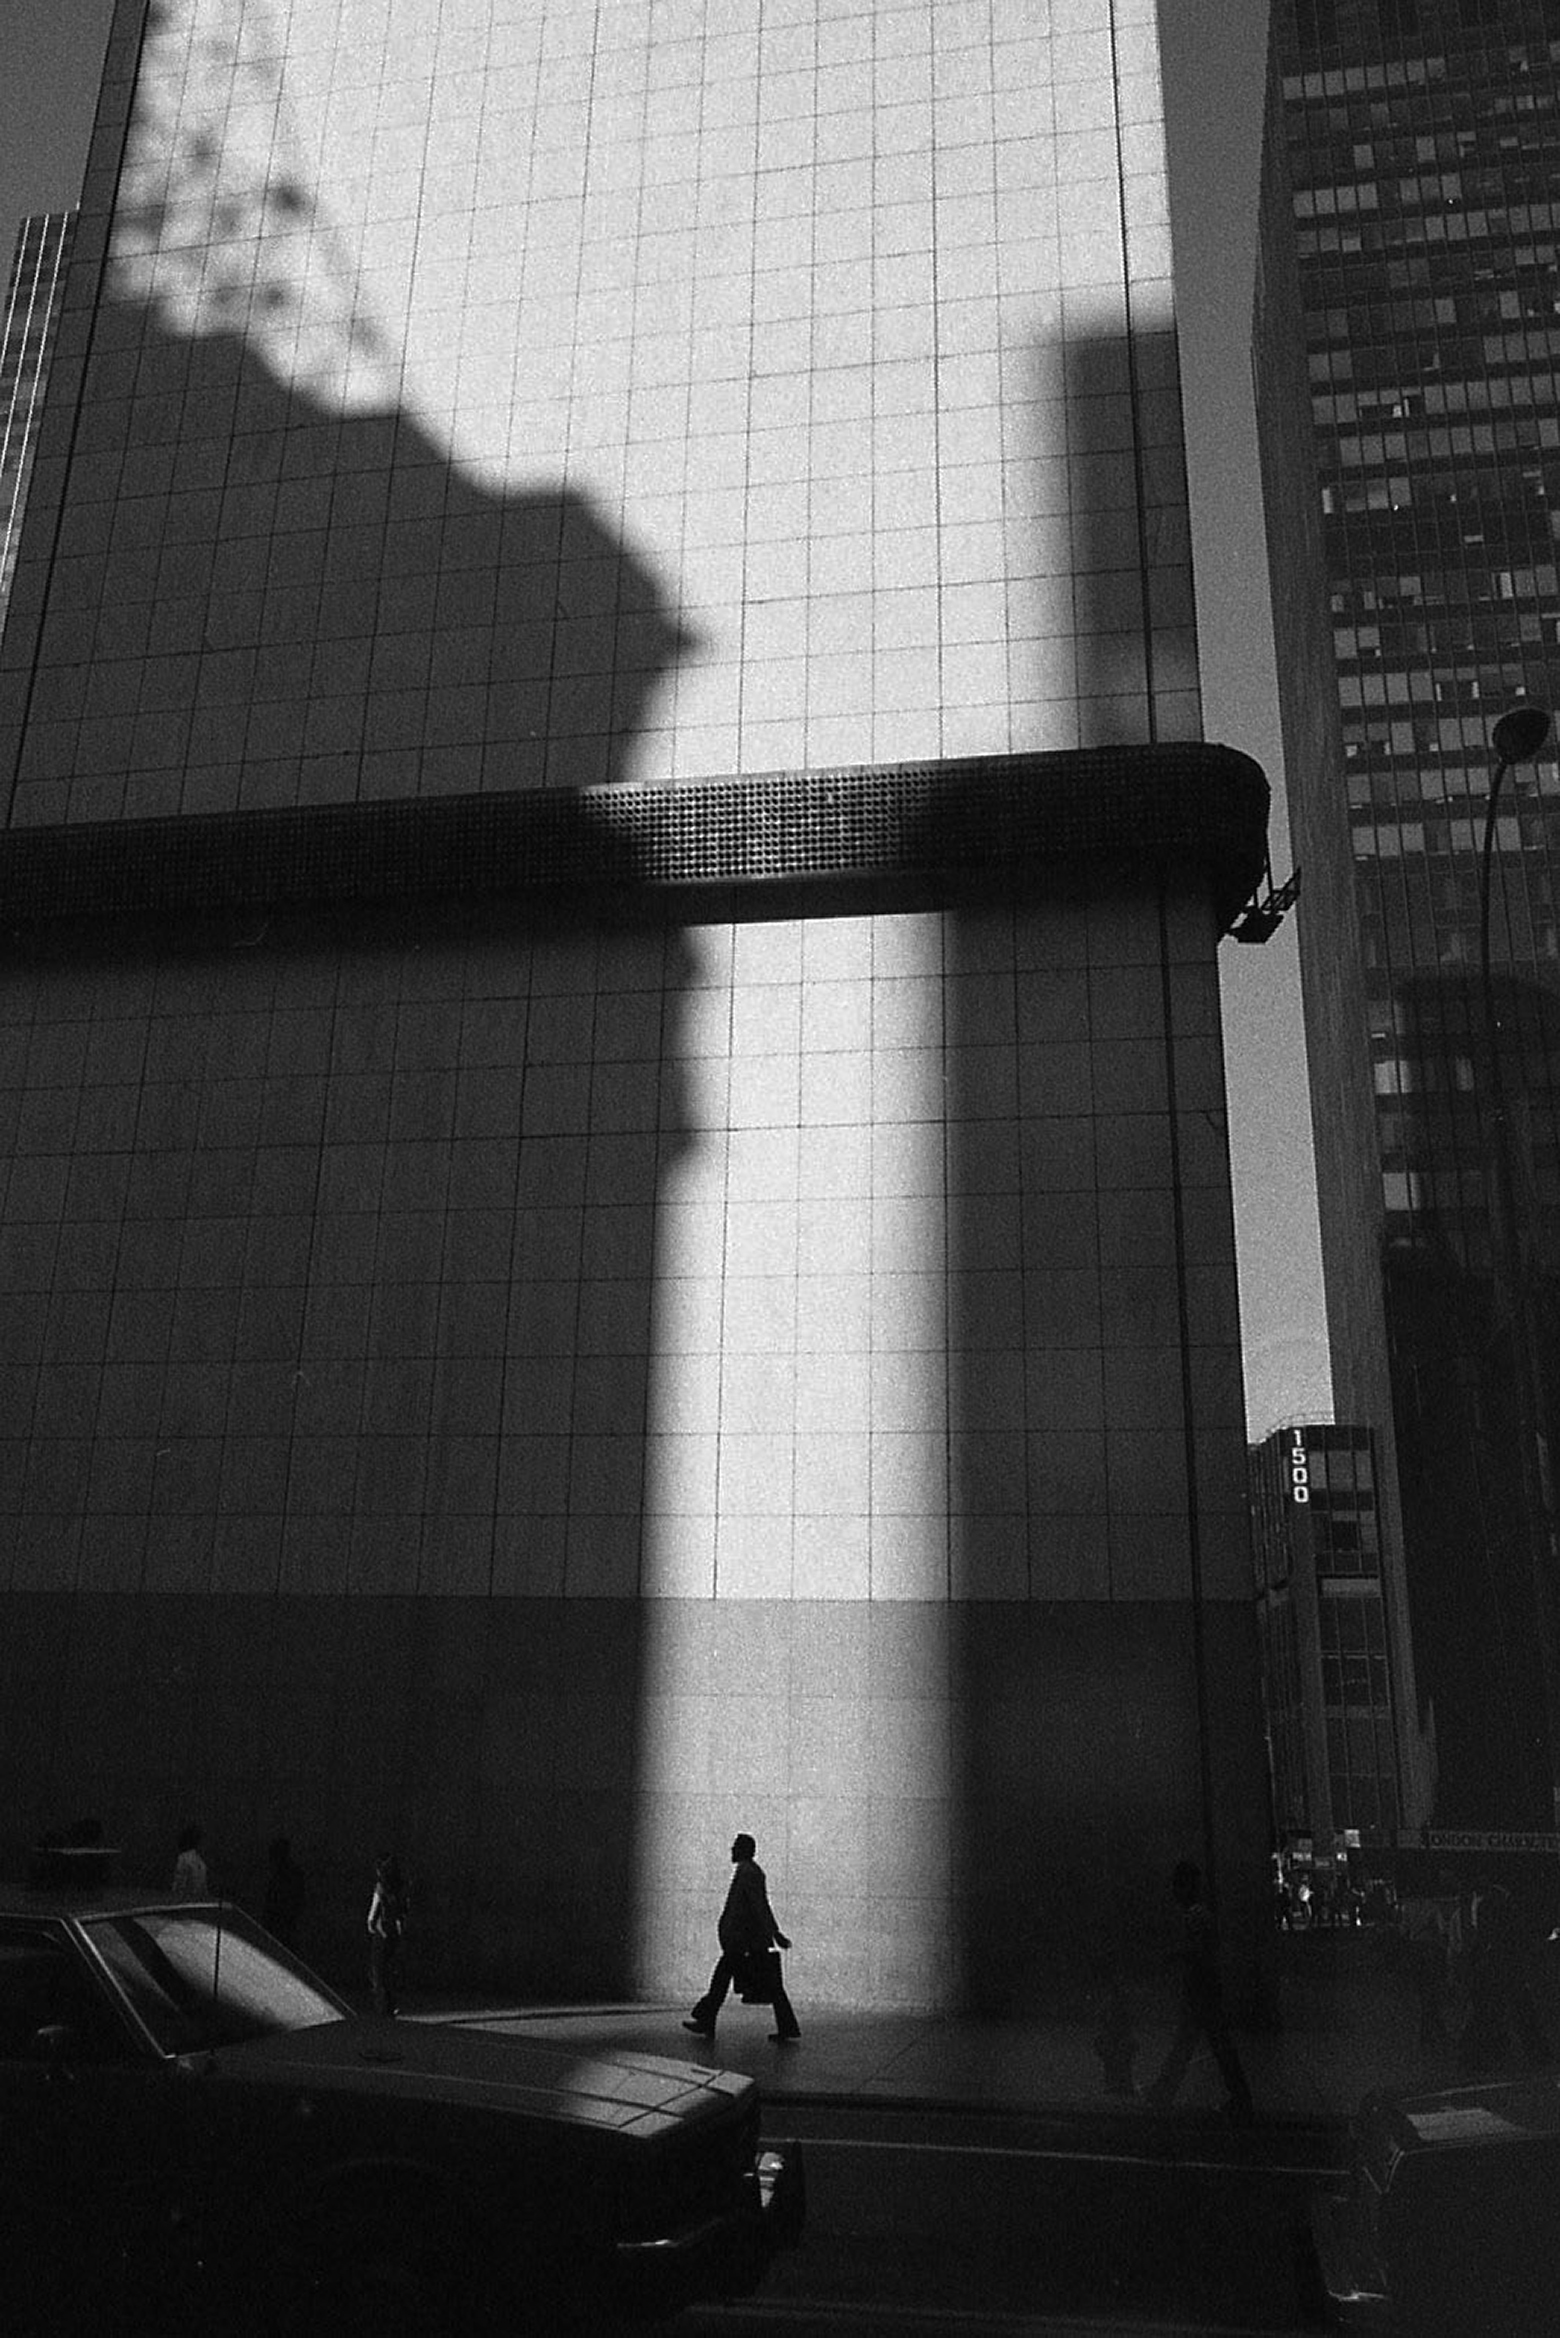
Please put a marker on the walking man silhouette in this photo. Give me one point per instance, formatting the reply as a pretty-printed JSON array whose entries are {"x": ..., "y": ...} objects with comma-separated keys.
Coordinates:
[
  {"x": 747, "y": 1928},
  {"x": 1202, "y": 2002}
]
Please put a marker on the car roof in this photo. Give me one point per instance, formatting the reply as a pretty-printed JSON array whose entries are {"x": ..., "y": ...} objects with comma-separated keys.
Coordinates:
[{"x": 56, "y": 1902}]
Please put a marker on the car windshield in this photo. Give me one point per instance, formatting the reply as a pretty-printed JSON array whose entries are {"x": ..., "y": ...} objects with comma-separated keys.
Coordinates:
[{"x": 199, "y": 1979}]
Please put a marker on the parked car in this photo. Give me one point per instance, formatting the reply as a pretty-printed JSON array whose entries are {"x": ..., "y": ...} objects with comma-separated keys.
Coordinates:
[
  {"x": 195, "y": 2129},
  {"x": 1449, "y": 2226}
]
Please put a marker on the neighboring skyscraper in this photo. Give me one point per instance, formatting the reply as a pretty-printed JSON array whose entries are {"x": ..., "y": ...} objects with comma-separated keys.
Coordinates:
[
  {"x": 554, "y": 1319},
  {"x": 26, "y": 342},
  {"x": 1327, "y": 1643},
  {"x": 1424, "y": 153}
]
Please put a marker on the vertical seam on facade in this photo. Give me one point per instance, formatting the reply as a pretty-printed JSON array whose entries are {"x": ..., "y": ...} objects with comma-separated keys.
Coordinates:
[
  {"x": 956, "y": 1361},
  {"x": 739, "y": 761},
  {"x": 309, "y": 1285},
  {"x": 1188, "y": 1432},
  {"x": 363, "y": 1431},
  {"x": 1134, "y": 398},
  {"x": 730, "y": 1061},
  {"x": 521, "y": 1071},
  {"x": 1014, "y": 916},
  {"x": 937, "y": 470}
]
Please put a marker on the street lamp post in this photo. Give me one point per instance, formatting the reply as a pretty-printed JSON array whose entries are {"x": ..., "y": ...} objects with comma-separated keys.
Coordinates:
[{"x": 1517, "y": 737}]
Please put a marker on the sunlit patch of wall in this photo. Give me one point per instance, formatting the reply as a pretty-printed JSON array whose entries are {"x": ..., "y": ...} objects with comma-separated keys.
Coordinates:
[
  {"x": 797, "y": 1495},
  {"x": 790, "y": 307},
  {"x": 947, "y": 1590}
]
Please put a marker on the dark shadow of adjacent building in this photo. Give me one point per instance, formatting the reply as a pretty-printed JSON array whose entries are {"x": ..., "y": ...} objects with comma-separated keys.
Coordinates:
[
  {"x": 1106, "y": 1671},
  {"x": 385, "y": 1127},
  {"x": 1457, "y": 1393}
]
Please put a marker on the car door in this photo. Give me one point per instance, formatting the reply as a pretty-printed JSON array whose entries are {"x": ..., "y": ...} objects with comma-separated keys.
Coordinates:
[
  {"x": 91, "y": 2144},
  {"x": 35, "y": 2181}
]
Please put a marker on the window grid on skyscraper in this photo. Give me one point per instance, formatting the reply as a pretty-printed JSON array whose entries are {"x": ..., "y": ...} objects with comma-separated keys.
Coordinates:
[
  {"x": 1410, "y": 296},
  {"x": 1423, "y": 160},
  {"x": 26, "y": 334}
]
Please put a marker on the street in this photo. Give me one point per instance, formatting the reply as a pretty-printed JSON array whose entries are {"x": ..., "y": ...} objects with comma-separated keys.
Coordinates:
[
  {"x": 825, "y": 2321},
  {"x": 930, "y": 2220}
]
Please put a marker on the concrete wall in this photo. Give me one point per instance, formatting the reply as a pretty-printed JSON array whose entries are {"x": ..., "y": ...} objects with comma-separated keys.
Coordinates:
[
  {"x": 551, "y": 1396},
  {"x": 550, "y": 1388}
]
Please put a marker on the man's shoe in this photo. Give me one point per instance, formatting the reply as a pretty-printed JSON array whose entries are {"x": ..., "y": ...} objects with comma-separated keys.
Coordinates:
[
  {"x": 785, "y": 2037},
  {"x": 700, "y": 2029}
]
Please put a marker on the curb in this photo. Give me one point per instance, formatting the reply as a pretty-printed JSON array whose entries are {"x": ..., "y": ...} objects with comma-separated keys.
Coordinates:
[{"x": 1115, "y": 2122}]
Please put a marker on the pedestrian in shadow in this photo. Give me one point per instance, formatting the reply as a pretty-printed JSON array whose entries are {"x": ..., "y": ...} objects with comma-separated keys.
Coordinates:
[
  {"x": 1202, "y": 2002},
  {"x": 1116, "y": 2041},
  {"x": 748, "y": 1936},
  {"x": 1427, "y": 1919},
  {"x": 386, "y": 1930},
  {"x": 284, "y": 1893},
  {"x": 1500, "y": 1999},
  {"x": 191, "y": 1881}
]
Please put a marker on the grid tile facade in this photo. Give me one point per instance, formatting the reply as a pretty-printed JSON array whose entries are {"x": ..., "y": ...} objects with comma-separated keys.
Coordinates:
[
  {"x": 844, "y": 333},
  {"x": 617, "y": 1154},
  {"x": 848, "y": 1184}
]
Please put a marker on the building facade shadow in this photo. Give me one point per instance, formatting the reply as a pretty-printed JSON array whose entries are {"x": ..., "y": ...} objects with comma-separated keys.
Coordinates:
[
  {"x": 1106, "y": 1668},
  {"x": 1457, "y": 1394},
  {"x": 327, "y": 1337}
]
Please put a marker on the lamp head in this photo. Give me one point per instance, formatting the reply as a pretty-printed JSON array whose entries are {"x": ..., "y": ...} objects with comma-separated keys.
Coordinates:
[{"x": 1519, "y": 734}]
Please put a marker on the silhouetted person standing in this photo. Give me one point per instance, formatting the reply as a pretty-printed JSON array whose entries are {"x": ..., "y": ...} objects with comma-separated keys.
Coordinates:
[
  {"x": 386, "y": 1930},
  {"x": 190, "y": 1879},
  {"x": 1116, "y": 2040},
  {"x": 1202, "y": 2001},
  {"x": 1427, "y": 1922},
  {"x": 1500, "y": 2001},
  {"x": 284, "y": 1893},
  {"x": 747, "y": 1928}
]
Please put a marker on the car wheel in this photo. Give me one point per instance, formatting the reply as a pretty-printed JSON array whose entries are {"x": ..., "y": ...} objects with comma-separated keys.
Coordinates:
[
  {"x": 384, "y": 2278},
  {"x": 381, "y": 2283},
  {"x": 387, "y": 2294},
  {"x": 384, "y": 2297}
]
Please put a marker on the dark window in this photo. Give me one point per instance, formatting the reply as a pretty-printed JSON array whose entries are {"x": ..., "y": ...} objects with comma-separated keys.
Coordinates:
[
  {"x": 41, "y": 1984},
  {"x": 1316, "y": 21}
]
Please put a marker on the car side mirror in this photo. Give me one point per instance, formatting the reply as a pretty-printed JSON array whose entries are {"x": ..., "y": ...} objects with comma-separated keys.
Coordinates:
[{"x": 55, "y": 2043}]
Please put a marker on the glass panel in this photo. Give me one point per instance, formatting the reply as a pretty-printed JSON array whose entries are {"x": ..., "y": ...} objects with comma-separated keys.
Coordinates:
[
  {"x": 198, "y": 1981},
  {"x": 39, "y": 1985}
]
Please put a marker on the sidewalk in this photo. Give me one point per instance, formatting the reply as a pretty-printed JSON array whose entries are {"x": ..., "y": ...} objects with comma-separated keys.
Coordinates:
[{"x": 1314, "y": 2071}]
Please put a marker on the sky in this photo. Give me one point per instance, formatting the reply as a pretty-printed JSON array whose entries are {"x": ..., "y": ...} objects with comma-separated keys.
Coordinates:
[{"x": 1214, "y": 54}]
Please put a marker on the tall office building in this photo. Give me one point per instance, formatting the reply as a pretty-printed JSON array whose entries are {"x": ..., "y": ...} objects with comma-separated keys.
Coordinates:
[
  {"x": 1327, "y": 1640},
  {"x": 618, "y": 1219},
  {"x": 26, "y": 342},
  {"x": 1423, "y": 140}
]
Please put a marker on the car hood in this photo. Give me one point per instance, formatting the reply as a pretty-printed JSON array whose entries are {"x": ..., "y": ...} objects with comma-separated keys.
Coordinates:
[{"x": 630, "y": 2095}]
